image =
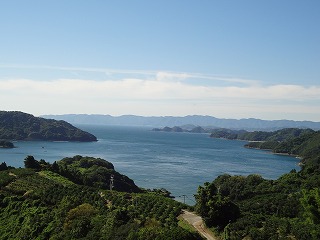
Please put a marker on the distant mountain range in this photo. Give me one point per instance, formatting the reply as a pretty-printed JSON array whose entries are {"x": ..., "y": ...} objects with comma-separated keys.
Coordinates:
[{"x": 187, "y": 121}]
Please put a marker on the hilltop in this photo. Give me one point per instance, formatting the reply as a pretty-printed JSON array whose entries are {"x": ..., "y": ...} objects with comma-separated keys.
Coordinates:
[{"x": 22, "y": 126}]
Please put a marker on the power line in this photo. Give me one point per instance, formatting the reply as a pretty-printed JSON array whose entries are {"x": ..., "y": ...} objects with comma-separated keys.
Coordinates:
[
  {"x": 184, "y": 198},
  {"x": 191, "y": 199}
]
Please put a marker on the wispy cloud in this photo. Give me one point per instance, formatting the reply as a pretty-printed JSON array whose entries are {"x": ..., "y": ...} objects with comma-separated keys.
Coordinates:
[
  {"x": 159, "y": 93},
  {"x": 141, "y": 89},
  {"x": 149, "y": 74}
]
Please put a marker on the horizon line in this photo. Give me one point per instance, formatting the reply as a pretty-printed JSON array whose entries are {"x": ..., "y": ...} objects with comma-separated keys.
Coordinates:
[{"x": 171, "y": 116}]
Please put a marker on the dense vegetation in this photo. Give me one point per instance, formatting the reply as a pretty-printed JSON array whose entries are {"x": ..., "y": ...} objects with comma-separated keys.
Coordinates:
[
  {"x": 255, "y": 208},
  {"x": 23, "y": 126},
  {"x": 69, "y": 200},
  {"x": 291, "y": 141},
  {"x": 94, "y": 172},
  {"x": 279, "y": 135}
]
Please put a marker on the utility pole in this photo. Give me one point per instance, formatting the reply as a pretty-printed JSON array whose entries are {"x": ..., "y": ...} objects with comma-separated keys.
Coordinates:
[
  {"x": 111, "y": 182},
  {"x": 184, "y": 198}
]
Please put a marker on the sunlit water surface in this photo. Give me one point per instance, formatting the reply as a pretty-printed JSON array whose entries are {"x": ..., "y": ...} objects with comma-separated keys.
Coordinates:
[{"x": 178, "y": 162}]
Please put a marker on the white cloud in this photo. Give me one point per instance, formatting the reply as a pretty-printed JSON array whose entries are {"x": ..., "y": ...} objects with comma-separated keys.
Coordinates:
[
  {"x": 154, "y": 97},
  {"x": 159, "y": 93},
  {"x": 165, "y": 76},
  {"x": 155, "y": 75}
]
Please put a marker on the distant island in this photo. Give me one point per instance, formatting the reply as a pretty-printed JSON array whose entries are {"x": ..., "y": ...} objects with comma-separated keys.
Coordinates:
[
  {"x": 6, "y": 144},
  {"x": 16, "y": 125},
  {"x": 181, "y": 129},
  {"x": 251, "y": 124}
]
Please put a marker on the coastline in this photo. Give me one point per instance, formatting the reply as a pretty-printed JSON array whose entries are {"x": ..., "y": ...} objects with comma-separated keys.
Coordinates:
[{"x": 276, "y": 153}]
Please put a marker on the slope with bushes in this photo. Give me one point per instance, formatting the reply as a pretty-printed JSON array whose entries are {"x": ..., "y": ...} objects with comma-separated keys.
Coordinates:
[
  {"x": 250, "y": 207},
  {"x": 65, "y": 200}
]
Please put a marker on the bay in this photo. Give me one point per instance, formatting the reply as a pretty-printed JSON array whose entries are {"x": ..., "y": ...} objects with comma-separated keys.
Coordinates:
[{"x": 178, "y": 162}]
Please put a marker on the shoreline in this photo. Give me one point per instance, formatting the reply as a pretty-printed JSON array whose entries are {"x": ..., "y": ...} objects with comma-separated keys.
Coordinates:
[{"x": 300, "y": 163}]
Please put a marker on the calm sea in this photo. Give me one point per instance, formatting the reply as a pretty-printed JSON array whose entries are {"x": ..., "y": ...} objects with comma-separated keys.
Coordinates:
[{"x": 178, "y": 162}]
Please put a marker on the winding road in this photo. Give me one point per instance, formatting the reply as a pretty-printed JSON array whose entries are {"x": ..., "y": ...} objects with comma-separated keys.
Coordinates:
[{"x": 197, "y": 222}]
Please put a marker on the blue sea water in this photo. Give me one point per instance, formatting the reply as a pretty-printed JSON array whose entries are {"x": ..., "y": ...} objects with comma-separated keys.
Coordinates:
[{"x": 178, "y": 162}]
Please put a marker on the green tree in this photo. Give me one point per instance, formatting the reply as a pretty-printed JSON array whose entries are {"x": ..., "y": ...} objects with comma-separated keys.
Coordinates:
[
  {"x": 311, "y": 204},
  {"x": 30, "y": 162},
  {"x": 78, "y": 221},
  {"x": 3, "y": 166},
  {"x": 215, "y": 209},
  {"x": 221, "y": 212},
  {"x": 203, "y": 196},
  {"x": 55, "y": 167}
]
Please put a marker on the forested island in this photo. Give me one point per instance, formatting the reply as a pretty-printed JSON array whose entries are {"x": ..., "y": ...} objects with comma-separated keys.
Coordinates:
[
  {"x": 22, "y": 126},
  {"x": 189, "y": 128},
  {"x": 6, "y": 144}
]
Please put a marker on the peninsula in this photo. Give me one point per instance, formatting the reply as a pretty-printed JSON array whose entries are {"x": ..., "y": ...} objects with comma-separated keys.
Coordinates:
[{"x": 22, "y": 126}]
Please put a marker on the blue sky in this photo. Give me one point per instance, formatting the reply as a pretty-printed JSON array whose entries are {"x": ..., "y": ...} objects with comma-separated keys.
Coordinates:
[{"x": 229, "y": 59}]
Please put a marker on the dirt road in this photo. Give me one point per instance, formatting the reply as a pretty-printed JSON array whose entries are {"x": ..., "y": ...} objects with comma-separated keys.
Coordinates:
[{"x": 197, "y": 222}]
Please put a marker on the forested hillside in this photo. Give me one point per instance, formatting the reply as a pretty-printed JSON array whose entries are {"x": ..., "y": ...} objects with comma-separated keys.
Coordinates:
[
  {"x": 279, "y": 135},
  {"x": 23, "y": 126},
  {"x": 254, "y": 208},
  {"x": 69, "y": 200},
  {"x": 292, "y": 141}
]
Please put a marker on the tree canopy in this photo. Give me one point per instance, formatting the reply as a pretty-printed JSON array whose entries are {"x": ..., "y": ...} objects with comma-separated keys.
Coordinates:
[
  {"x": 257, "y": 208},
  {"x": 63, "y": 200}
]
